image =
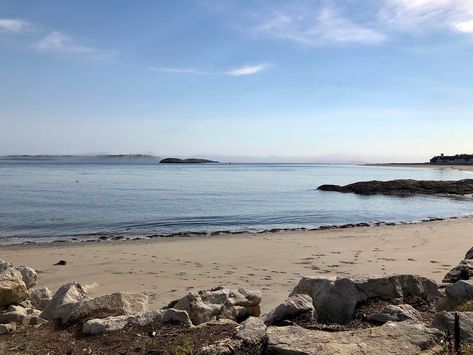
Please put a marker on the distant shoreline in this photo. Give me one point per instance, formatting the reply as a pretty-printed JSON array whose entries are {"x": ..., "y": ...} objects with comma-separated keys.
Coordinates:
[{"x": 463, "y": 167}]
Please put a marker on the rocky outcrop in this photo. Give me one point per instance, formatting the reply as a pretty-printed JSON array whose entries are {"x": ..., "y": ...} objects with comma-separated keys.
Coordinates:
[
  {"x": 455, "y": 295},
  {"x": 20, "y": 315},
  {"x": 12, "y": 287},
  {"x": 462, "y": 271},
  {"x": 402, "y": 338},
  {"x": 405, "y": 187},
  {"x": 298, "y": 306},
  {"x": 97, "y": 326},
  {"x": 220, "y": 303},
  {"x": 186, "y": 161},
  {"x": 336, "y": 299},
  {"x": 64, "y": 302},
  {"x": 392, "y": 313},
  {"x": 445, "y": 321}
]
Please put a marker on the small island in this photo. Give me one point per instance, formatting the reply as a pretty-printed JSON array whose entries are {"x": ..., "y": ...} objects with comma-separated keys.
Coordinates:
[{"x": 186, "y": 161}]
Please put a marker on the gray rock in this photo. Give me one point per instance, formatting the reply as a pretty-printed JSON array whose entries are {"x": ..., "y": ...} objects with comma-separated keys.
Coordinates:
[
  {"x": 4, "y": 265},
  {"x": 220, "y": 303},
  {"x": 469, "y": 254},
  {"x": 97, "y": 326},
  {"x": 445, "y": 321},
  {"x": 335, "y": 299},
  {"x": 403, "y": 338},
  {"x": 7, "y": 328},
  {"x": 12, "y": 287},
  {"x": 64, "y": 302},
  {"x": 462, "y": 271},
  {"x": 393, "y": 313},
  {"x": 40, "y": 297},
  {"x": 455, "y": 295},
  {"x": 298, "y": 306},
  {"x": 29, "y": 275},
  {"x": 252, "y": 331},
  {"x": 117, "y": 304}
]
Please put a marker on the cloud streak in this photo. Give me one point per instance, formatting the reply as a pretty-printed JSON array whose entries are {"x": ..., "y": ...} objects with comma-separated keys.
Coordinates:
[
  {"x": 59, "y": 42},
  {"x": 241, "y": 71},
  {"x": 13, "y": 25}
]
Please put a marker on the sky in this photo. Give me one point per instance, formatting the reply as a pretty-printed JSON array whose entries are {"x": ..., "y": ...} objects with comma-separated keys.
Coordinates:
[{"x": 247, "y": 80}]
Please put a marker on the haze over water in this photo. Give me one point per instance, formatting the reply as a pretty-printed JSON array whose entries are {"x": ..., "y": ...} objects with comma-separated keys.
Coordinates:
[{"x": 60, "y": 199}]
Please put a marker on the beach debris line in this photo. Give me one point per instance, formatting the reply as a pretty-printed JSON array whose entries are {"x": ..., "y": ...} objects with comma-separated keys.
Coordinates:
[{"x": 399, "y": 314}]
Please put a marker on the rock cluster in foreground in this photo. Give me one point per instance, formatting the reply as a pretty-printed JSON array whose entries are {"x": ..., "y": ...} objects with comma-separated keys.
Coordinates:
[
  {"x": 396, "y": 314},
  {"x": 405, "y": 187}
]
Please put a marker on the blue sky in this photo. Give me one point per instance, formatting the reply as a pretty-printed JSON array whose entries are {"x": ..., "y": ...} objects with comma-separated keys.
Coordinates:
[{"x": 239, "y": 80}]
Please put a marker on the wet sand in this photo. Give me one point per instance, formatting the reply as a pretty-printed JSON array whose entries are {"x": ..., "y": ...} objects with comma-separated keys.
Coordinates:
[{"x": 168, "y": 268}]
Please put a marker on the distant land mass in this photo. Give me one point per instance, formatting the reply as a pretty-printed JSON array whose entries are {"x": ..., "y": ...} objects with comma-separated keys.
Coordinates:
[
  {"x": 186, "y": 161},
  {"x": 104, "y": 157}
]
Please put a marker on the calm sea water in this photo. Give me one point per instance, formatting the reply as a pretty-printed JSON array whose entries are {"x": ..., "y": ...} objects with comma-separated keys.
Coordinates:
[{"x": 60, "y": 199}]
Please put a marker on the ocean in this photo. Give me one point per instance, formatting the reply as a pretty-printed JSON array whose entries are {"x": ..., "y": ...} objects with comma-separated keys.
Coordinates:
[{"x": 44, "y": 200}]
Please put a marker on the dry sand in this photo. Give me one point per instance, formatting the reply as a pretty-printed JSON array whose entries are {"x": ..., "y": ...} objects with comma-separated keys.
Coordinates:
[{"x": 166, "y": 269}]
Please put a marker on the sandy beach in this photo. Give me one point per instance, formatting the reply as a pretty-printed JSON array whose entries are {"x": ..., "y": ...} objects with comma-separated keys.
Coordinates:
[
  {"x": 167, "y": 268},
  {"x": 425, "y": 165}
]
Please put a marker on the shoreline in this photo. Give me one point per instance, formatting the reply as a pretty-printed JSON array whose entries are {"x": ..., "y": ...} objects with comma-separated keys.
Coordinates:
[
  {"x": 462, "y": 167},
  {"x": 113, "y": 237},
  {"x": 167, "y": 268}
]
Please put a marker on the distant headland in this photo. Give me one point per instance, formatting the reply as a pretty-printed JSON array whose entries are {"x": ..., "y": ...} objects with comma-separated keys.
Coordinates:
[{"x": 186, "y": 161}]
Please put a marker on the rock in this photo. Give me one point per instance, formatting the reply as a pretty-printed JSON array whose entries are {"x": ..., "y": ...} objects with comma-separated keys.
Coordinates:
[
  {"x": 469, "y": 254},
  {"x": 445, "y": 321},
  {"x": 335, "y": 299},
  {"x": 97, "y": 326},
  {"x": 186, "y": 161},
  {"x": 405, "y": 187},
  {"x": 462, "y": 271},
  {"x": 64, "y": 302},
  {"x": 219, "y": 303},
  {"x": 403, "y": 338},
  {"x": 12, "y": 287},
  {"x": 117, "y": 304},
  {"x": 7, "y": 328},
  {"x": 393, "y": 313},
  {"x": 455, "y": 295},
  {"x": 30, "y": 277},
  {"x": 298, "y": 306},
  {"x": 4, "y": 265},
  {"x": 226, "y": 346},
  {"x": 252, "y": 331},
  {"x": 18, "y": 315},
  {"x": 40, "y": 297},
  {"x": 61, "y": 263}
]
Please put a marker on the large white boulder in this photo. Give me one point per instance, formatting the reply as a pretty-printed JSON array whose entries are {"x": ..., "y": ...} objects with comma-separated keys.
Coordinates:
[
  {"x": 64, "y": 302},
  {"x": 117, "y": 304},
  {"x": 335, "y": 299},
  {"x": 97, "y": 326},
  {"x": 220, "y": 303},
  {"x": 12, "y": 287}
]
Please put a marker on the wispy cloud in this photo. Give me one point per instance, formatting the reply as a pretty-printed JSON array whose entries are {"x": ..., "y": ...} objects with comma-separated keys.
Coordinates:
[
  {"x": 59, "y": 42},
  {"x": 318, "y": 27},
  {"x": 427, "y": 15},
  {"x": 241, "y": 71},
  {"x": 13, "y": 25}
]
